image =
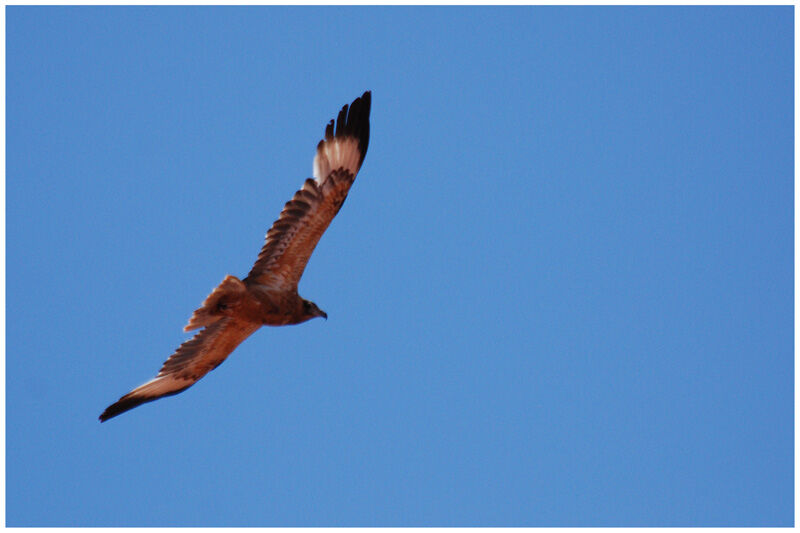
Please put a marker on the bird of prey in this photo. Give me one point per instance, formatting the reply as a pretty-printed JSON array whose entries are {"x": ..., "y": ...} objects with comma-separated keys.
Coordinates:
[{"x": 268, "y": 295}]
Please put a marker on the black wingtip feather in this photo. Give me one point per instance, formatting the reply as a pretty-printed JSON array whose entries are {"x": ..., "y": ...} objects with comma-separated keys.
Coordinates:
[
  {"x": 127, "y": 403},
  {"x": 341, "y": 121},
  {"x": 352, "y": 121},
  {"x": 356, "y": 122}
]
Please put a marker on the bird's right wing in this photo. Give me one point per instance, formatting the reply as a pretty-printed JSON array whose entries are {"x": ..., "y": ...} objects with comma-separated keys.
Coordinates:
[
  {"x": 194, "y": 359},
  {"x": 304, "y": 219}
]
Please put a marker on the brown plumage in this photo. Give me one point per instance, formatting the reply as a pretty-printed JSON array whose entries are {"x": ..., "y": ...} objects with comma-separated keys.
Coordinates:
[{"x": 268, "y": 295}]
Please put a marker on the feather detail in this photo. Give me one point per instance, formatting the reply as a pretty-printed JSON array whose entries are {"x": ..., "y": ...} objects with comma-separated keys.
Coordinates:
[
  {"x": 293, "y": 237},
  {"x": 191, "y": 361}
]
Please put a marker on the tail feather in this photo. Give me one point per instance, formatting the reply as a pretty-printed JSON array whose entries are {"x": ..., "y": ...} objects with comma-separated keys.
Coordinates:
[{"x": 218, "y": 304}]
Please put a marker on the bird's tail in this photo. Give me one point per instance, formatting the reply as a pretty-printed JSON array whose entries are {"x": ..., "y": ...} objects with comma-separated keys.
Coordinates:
[{"x": 220, "y": 303}]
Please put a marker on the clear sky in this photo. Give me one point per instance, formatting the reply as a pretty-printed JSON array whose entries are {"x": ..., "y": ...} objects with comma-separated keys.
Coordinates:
[{"x": 560, "y": 291}]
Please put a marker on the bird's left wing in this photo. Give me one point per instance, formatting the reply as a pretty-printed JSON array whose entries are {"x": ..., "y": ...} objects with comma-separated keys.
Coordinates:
[
  {"x": 191, "y": 361},
  {"x": 308, "y": 214}
]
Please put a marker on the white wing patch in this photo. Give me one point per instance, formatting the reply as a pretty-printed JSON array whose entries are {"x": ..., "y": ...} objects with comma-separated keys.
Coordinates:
[
  {"x": 334, "y": 154},
  {"x": 161, "y": 386}
]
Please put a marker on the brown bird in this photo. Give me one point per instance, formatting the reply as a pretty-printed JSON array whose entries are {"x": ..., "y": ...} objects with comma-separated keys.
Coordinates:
[{"x": 268, "y": 295}]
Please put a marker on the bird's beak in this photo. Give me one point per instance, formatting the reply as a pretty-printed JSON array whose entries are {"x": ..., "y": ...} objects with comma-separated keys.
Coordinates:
[{"x": 323, "y": 314}]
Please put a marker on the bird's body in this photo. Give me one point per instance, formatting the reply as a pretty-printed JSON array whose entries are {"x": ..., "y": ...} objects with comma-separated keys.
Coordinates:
[
  {"x": 268, "y": 295},
  {"x": 250, "y": 301}
]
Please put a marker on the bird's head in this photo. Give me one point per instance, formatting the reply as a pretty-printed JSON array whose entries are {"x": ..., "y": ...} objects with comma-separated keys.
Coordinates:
[{"x": 310, "y": 310}]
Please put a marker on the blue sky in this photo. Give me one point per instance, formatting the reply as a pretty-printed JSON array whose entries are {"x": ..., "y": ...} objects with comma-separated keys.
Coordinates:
[{"x": 560, "y": 292}]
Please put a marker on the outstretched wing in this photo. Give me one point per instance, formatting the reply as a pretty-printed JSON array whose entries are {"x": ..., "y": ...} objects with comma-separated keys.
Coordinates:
[
  {"x": 194, "y": 359},
  {"x": 304, "y": 219}
]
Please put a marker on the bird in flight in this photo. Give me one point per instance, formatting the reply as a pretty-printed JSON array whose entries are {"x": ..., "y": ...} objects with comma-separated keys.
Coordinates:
[{"x": 268, "y": 295}]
